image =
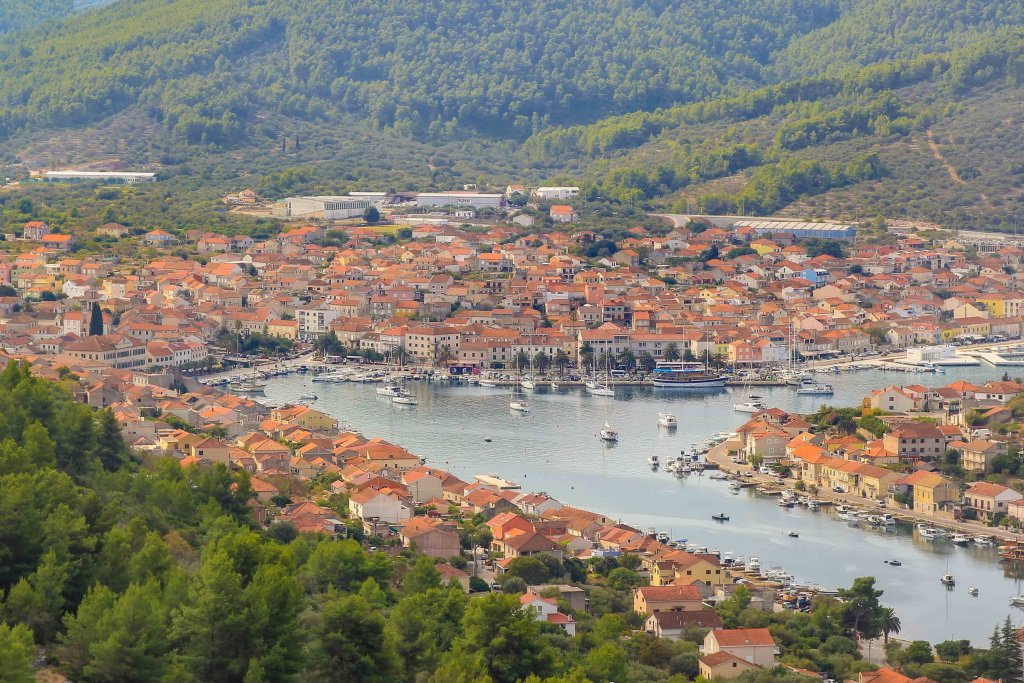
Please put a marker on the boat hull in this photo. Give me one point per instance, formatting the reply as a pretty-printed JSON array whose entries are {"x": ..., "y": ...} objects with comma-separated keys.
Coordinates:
[{"x": 710, "y": 383}]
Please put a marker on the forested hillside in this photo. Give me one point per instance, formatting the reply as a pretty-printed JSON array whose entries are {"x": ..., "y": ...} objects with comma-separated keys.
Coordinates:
[
  {"x": 16, "y": 15},
  {"x": 651, "y": 102}
]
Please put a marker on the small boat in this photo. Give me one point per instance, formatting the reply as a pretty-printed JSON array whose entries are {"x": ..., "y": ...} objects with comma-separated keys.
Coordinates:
[
  {"x": 592, "y": 384},
  {"x": 519, "y": 406},
  {"x": 894, "y": 563},
  {"x": 404, "y": 399},
  {"x": 783, "y": 503},
  {"x": 667, "y": 420},
  {"x": 1017, "y": 601},
  {"x": 554, "y": 385},
  {"x": 753, "y": 565},
  {"x": 608, "y": 434},
  {"x": 489, "y": 383},
  {"x": 947, "y": 580},
  {"x": 309, "y": 397},
  {"x": 927, "y": 533},
  {"x": 984, "y": 541},
  {"x": 971, "y": 590},
  {"x": 603, "y": 391},
  {"x": 793, "y": 534},
  {"x": 960, "y": 539},
  {"x": 487, "y": 439},
  {"x": 653, "y": 461},
  {"x": 528, "y": 383}
]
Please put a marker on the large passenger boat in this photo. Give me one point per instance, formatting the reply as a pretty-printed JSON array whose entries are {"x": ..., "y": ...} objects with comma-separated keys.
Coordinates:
[{"x": 685, "y": 375}]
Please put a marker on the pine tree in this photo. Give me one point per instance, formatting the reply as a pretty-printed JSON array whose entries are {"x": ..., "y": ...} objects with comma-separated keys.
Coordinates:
[
  {"x": 1011, "y": 651},
  {"x": 95, "y": 320}
]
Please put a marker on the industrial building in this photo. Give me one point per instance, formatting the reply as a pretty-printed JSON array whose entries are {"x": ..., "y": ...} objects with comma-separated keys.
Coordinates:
[
  {"x": 477, "y": 200},
  {"x": 561, "y": 193},
  {"x": 324, "y": 208},
  {"x": 113, "y": 178},
  {"x": 802, "y": 229}
]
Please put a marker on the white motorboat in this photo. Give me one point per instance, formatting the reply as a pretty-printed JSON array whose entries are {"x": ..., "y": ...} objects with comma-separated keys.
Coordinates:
[
  {"x": 389, "y": 389},
  {"x": 753, "y": 565},
  {"x": 519, "y": 405},
  {"x": 667, "y": 420},
  {"x": 984, "y": 541},
  {"x": 947, "y": 580},
  {"x": 972, "y": 591},
  {"x": 928, "y": 534},
  {"x": 528, "y": 383},
  {"x": 1017, "y": 601},
  {"x": 592, "y": 384},
  {"x": 960, "y": 539},
  {"x": 603, "y": 391},
  {"x": 751, "y": 406},
  {"x": 809, "y": 387},
  {"x": 404, "y": 398},
  {"x": 309, "y": 397},
  {"x": 489, "y": 383},
  {"x": 652, "y": 461},
  {"x": 554, "y": 385},
  {"x": 608, "y": 434}
]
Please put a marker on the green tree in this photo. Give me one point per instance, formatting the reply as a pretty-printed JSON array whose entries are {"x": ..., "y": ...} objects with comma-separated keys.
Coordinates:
[
  {"x": 890, "y": 623},
  {"x": 95, "y": 320},
  {"x": 38, "y": 601},
  {"x": 421, "y": 577},
  {"x": 671, "y": 352},
  {"x": 918, "y": 652},
  {"x": 624, "y": 579},
  {"x": 16, "y": 654},
  {"x": 349, "y": 644},
  {"x": 343, "y": 566},
  {"x": 423, "y": 627},
  {"x": 562, "y": 360},
  {"x": 371, "y": 215},
  {"x": 861, "y": 610},
  {"x": 647, "y": 362},
  {"x": 500, "y": 640},
  {"x": 530, "y": 569},
  {"x": 606, "y": 663}
]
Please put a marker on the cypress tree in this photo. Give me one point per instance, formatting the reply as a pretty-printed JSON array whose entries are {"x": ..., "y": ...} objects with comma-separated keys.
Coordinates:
[{"x": 95, "y": 320}]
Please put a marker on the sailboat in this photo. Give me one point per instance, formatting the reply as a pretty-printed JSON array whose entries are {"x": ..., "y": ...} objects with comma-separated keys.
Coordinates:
[
  {"x": 604, "y": 389},
  {"x": 520, "y": 405},
  {"x": 528, "y": 382}
]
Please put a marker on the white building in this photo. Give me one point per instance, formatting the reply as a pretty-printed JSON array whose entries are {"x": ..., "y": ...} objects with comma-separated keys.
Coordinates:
[
  {"x": 98, "y": 176},
  {"x": 476, "y": 200},
  {"x": 556, "y": 192},
  {"x": 325, "y": 208},
  {"x": 315, "y": 321}
]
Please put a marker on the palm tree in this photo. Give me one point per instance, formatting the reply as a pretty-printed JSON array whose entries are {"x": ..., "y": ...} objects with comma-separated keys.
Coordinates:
[
  {"x": 672, "y": 352},
  {"x": 541, "y": 361},
  {"x": 562, "y": 360},
  {"x": 445, "y": 355},
  {"x": 627, "y": 359},
  {"x": 522, "y": 360},
  {"x": 647, "y": 362},
  {"x": 890, "y": 623}
]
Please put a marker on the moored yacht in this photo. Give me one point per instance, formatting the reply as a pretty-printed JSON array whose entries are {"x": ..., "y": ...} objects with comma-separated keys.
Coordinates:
[
  {"x": 754, "y": 405},
  {"x": 809, "y": 387},
  {"x": 667, "y": 420},
  {"x": 389, "y": 389},
  {"x": 608, "y": 434},
  {"x": 519, "y": 405}
]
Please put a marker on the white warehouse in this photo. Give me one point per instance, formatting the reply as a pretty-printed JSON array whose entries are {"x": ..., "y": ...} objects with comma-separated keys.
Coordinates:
[
  {"x": 556, "y": 192},
  {"x": 324, "y": 208},
  {"x": 477, "y": 200}
]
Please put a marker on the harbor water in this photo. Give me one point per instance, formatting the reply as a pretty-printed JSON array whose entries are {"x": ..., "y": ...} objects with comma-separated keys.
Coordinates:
[{"x": 555, "y": 448}]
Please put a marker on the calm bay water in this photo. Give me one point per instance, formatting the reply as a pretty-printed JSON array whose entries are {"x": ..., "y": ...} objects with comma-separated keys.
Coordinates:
[{"x": 555, "y": 449}]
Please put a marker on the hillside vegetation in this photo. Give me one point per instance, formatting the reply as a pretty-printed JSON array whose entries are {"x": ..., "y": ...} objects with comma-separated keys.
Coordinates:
[
  {"x": 760, "y": 105},
  {"x": 17, "y": 15}
]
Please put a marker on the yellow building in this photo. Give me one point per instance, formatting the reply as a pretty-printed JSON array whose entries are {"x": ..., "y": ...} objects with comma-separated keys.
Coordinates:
[
  {"x": 283, "y": 329},
  {"x": 1003, "y": 304}
]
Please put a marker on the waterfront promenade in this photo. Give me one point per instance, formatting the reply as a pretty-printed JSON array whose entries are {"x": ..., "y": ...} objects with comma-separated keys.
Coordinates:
[{"x": 720, "y": 457}]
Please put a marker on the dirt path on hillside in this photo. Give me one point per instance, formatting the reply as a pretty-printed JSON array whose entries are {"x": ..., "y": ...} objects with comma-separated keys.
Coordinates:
[{"x": 942, "y": 160}]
